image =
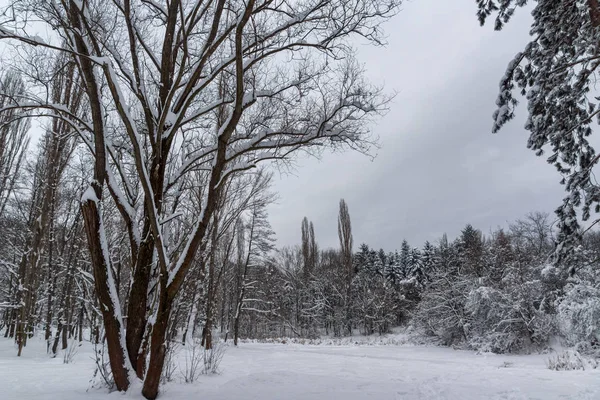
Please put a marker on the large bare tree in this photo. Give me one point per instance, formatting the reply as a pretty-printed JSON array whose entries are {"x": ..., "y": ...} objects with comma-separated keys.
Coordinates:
[{"x": 181, "y": 97}]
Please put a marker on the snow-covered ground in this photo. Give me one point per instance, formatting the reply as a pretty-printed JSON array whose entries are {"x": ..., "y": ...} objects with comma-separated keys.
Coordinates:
[{"x": 308, "y": 372}]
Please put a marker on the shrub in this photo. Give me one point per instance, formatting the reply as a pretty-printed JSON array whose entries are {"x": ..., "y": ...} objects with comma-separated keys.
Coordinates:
[
  {"x": 200, "y": 361},
  {"x": 213, "y": 357},
  {"x": 579, "y": 314},
  {"x": 570, "y": 360}
]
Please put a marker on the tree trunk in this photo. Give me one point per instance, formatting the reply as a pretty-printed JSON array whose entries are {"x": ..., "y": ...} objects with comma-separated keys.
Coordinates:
[
  {"x": 137, "y": 306},
  {"x": 191, "y": 318},
  {"x": 59, "y": 329},
  {"x": 157, "y": 348},
  {"x": 210, "y": 301},
  {"x": 51, "y": 278},
  {"x": 80, "y": 324},
  {"x": 65, "y": 331},
  {"x": 66, "y": 316},
  {"x": 105, "y": 289},
  {"x": 50, "y": 300}
]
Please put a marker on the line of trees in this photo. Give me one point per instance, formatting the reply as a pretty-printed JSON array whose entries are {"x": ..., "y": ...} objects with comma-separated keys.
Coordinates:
[{"x": 497, "y": 292}]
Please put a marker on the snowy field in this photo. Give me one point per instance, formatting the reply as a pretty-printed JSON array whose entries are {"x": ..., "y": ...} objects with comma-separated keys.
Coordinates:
[{"x": 323, "y": 372}]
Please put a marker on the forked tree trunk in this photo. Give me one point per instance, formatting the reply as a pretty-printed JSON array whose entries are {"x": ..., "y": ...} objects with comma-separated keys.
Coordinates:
[{"x": 157, "y": 348}]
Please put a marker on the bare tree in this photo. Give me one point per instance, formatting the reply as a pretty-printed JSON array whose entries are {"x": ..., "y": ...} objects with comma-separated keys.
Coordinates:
[
  {"x": 535, "y": 232},
  {"x": 258, "y": 243},
  {"x": 155, "y": 76},
  {"x": 246, "y": 196}
]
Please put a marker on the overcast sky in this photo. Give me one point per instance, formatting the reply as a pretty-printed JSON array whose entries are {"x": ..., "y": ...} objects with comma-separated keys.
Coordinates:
[{"x": 439, "y": 166}]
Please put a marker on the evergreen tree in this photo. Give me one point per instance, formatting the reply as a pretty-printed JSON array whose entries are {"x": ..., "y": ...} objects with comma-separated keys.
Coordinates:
[
  {"x": 416, "y": 265},
  {"x": 428, "y": 258},
  {"x": 405, "y": 259},
  {"x": 556, "y": 73},
  {"x": 471, "y": 246}
]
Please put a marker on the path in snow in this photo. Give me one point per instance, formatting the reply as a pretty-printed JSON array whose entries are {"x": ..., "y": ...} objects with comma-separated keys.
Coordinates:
[{"x": 296, "y": 372}]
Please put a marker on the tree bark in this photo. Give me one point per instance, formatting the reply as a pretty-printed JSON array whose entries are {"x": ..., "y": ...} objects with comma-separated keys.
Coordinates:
[
  {"x": 157, "y": 348},
  {"x": 137, "y": 306},
  {"x": 103, "y": 283}
]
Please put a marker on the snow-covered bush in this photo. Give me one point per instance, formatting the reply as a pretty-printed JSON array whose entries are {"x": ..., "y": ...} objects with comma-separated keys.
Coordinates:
[
  {"x": 495, "y": 342},
  {"x": 441, "y": 312},
  {"x": 508, "y": 319},
  {"x": 570, "y": 360},
  {"x": 579, "y": 314},
  {"x": 493, "y": 326}
]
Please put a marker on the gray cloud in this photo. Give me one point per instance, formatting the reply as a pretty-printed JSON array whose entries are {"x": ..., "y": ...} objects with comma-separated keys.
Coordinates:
[{"x": 439, "y": 166}]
